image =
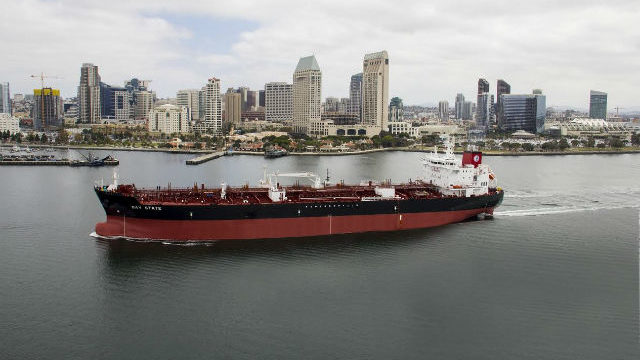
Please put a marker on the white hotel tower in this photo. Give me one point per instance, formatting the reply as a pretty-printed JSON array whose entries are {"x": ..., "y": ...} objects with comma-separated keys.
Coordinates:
[
  {"x": 375, "y": 89},
  {"x": 307, "y": 95}
]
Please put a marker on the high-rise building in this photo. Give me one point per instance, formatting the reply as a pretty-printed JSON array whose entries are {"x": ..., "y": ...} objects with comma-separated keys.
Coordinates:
[
  {"x": 459, "y": 106},
  {"x": 191, "y": 99},
  {"x": 375, "y": 89},
  {"x": 232, "y": 107},
  {"x": 278, "y": 103},
  {"x": 483, "y": 107},
  {"x": 169, "y": 119},
  {"x": 307, "y": 94},
  {"x": 502, "y": 88},
  {"x": 331, "y": 104},
  {"x": 355, "y": 95},
  {"x": 396, "y": 110},
  {"x": 253, "y": 100},
  {"x": 5, "y": 98},
  {"x": 141, "y": 99},
  {"x": 48, "y": 109},
  {"x": 213, "y": 106},
  {"x": 89, "y": 110},
  {"x": 114, "y": 102},
  {"x": 144, "y": 101},
  {"x": 468, "y": 109},
  {"x": 244, "y": 97},
  {"x": 523, "y": 112},
  {"x": 443, "y": 110},
  {"x": 597, "y": 105},
  {"x": 344, "y": 105}
]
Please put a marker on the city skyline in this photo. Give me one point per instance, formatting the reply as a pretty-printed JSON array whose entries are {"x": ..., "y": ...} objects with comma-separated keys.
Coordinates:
[{"x": 253, "y": 44}]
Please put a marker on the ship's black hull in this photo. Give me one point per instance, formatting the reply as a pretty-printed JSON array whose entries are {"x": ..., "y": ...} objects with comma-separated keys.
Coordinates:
[{"x": 121, "y": 205}]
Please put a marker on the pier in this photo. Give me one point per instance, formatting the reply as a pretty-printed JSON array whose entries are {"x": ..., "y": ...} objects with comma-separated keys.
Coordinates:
[{"x": 204, "y": 158}]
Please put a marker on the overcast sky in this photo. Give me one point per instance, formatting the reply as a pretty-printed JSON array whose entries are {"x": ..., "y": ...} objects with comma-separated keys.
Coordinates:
[{"x": 436, "y": 48}]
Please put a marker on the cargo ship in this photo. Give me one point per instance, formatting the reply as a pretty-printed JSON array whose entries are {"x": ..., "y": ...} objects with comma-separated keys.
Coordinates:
[{"x": 451, "y": 190}]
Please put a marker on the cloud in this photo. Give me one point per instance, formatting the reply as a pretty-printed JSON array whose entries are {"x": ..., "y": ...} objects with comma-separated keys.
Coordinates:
[{"x": 436, "y": 49}]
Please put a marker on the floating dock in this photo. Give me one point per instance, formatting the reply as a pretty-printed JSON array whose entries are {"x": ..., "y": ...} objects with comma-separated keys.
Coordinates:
[{"x": 206, "y": 157}]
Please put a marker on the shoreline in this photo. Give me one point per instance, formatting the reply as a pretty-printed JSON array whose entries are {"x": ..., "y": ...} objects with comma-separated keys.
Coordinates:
[{"x": 330, "y": 153}]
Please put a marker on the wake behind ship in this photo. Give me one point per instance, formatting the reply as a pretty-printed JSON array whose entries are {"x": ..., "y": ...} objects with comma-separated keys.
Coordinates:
[{"x": 451, "y": 191}]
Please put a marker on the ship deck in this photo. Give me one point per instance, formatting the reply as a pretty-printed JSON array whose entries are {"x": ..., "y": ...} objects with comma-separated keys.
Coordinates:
[{"x": 257, "y": 195}]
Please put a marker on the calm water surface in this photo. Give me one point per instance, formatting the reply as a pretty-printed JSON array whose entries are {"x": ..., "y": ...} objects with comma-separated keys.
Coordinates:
[{"x": 553, "y": 276}]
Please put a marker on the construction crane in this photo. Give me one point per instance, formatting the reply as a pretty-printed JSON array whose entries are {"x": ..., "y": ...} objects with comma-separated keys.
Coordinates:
[{"x": 42, "y": 76}]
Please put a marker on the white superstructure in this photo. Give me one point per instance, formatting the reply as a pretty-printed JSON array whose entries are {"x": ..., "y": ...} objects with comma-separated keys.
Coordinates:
[{"x": 453, "y": 177}]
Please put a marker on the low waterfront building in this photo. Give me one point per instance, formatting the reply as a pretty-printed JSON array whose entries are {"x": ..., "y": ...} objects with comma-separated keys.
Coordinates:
[
  {"x": 400, "y": 127},
  {"x": 169, "y": 119},
  {"x": 581, "y": 127}
]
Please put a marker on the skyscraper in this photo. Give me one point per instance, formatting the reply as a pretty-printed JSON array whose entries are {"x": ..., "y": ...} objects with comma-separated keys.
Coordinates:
[
  {"x": 396, "y": 110},
  {"x": 443, "y": 110},
  {"x": 244, "y": 97},
  {"x": 5, "y": 98},
  {"x": 355, "y": 95},
  {"x": 213, "y": 106},
  {"x": 307, "y": 94},
  {"x": 232, "y": 107},
  {"x": 278, "y": 104},
  {"x": 114, "y": 102},
  {"x": 597, "y": 105},
  {"x": 523, "y": 112},
  {"x": 141, "y": 99},
  {"x": 375, "y": 89},
  {"x": 47, "y": 111},
  {"x": 502, "y": 88},
  {"x": 253, "y": 100},
  {"x": 468, "y": 109},
  {"x": 483, "y": 107},
  {"x": 144, "y": 101},
  {"x": 89, "y": 110},
  {"x": 459, "y": 106},
  {"x": 191, "y": 99}
]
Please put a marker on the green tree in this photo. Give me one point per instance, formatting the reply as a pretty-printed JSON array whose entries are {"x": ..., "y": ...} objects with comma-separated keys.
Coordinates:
[
  {"x": 635, "y": 139},
  {"x": 616, "y": 143},
  {"x": 527, "y": 147},
  {"x": 63, "y": 137},
  {"x": 563, "y": 144}
]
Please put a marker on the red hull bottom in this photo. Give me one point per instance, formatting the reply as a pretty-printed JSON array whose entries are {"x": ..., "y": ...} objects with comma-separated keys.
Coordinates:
[{"x": 208, "y": 230}]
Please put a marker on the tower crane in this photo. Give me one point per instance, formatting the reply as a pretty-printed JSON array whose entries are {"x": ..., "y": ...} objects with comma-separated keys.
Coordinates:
[{"x": 42, "y": 76}]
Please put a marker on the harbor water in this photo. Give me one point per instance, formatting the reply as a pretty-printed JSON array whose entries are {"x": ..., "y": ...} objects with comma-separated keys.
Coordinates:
[{"x": 554, "y": 275}]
